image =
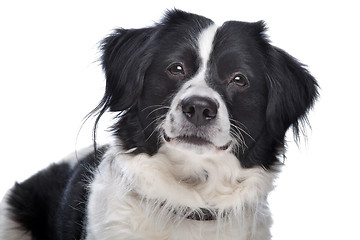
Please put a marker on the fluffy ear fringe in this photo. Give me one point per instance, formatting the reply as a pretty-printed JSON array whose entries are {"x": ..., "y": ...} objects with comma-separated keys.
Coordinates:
[
  {"x": 126, "y": 56},
  {"x": 292, "y": 92}
]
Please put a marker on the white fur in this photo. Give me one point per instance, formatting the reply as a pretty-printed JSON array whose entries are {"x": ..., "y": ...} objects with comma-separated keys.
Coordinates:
[
  {"x": 10, "y": 230},
  {"x": 128, "y": 195},
  {"x": 143, "y": 197},
  {"x": 219, "y": 131},
  {"x": 146, "y": 197},
  {"x": 206, "y": 40}
]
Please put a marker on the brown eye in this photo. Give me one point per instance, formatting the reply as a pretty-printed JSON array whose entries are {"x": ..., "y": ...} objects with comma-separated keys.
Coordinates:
[
  {"x": 176, "y": 69},
  {"x": 240, "y": 80}
]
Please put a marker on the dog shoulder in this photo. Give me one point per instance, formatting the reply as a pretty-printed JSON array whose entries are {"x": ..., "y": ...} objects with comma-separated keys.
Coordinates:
[{"x": 39, "y": 206}]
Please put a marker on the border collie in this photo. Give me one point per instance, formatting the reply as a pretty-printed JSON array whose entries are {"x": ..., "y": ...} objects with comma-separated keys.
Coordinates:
[{"x": 201, "y": 116}]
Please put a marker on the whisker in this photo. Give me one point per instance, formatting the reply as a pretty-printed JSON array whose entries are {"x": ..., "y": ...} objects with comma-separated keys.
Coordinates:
[
  {"x": 239, "y": 139},
  {"x": 239, "y": 123},
  {"x": 157, "y": 109},
  {"x": 237, "y": 132},
  {"x": 158, "y": 119},
  {"x": 153, "y": 121},
  {"x": 241, "y": 129},
  {"x": 153, "y": 106}
]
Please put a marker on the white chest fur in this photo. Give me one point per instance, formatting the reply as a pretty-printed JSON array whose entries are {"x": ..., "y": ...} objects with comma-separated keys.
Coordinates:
[{"x": 145, "y": 197}]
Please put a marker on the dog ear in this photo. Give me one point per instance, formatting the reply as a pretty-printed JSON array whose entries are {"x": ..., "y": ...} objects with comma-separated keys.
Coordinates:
[
  {"x": 126, "y": 56},
  {"x": 292, "y": 92}
]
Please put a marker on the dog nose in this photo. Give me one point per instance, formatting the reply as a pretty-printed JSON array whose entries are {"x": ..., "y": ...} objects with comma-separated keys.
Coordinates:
[{"x": 199, "y": 110}]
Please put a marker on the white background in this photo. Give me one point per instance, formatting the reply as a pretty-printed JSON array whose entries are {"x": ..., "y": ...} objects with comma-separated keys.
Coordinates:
[{"x": 50, "y": 79}]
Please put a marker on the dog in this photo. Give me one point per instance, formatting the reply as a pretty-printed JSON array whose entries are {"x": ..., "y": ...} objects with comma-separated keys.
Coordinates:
[{"x": 198, "y": 138}]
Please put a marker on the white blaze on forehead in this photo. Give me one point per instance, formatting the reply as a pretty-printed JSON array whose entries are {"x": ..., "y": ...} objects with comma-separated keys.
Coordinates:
[
  {"x": 205, "y": 47},
  {"x": 218, "y": 132},
  {"x": 205, "y": 42}
]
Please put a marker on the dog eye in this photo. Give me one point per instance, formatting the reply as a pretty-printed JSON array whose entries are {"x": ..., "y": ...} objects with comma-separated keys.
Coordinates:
[
  {"x": 240, "y": 80},
  {"x": 176, "y": 69}
]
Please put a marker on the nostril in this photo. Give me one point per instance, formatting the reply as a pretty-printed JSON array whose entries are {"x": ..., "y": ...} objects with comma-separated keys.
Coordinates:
[
  {"x": 189, "y": 111},
  {"x": 209, "y": 114},
  {"x": 199, "y": 110}
]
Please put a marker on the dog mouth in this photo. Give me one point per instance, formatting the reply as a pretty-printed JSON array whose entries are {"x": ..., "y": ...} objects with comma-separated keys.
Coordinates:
[{"x": 195, "y": 140}]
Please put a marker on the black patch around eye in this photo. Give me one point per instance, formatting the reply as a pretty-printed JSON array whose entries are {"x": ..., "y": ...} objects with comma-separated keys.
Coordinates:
[
  {"x": 239, "y": 81},
  {"x": 176, "y": 69}
]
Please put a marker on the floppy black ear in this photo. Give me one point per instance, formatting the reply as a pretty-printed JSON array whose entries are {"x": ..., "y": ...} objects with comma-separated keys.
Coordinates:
[
  {"x": 292, "y": 91},
  {"x": 126, "y": 56}
]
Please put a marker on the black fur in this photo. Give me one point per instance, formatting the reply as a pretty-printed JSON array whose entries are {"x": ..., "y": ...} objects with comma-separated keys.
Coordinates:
[
  {"x": 128, "y": 62},
  {"x": 35, "y": 202},
  {"x": 281, "y": 90},
  {"x": 51, "y": 204}
]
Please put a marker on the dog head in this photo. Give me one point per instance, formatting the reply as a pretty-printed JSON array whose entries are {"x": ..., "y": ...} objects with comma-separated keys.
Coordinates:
[{"x": 197, "y": 87}]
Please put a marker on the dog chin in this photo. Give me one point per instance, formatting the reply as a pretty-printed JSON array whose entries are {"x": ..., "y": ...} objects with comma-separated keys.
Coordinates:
[{"x": 194, "y": 144}]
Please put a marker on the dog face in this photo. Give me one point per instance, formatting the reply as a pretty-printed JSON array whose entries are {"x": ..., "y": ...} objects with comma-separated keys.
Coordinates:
[{"x": 197, "y": 87}]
